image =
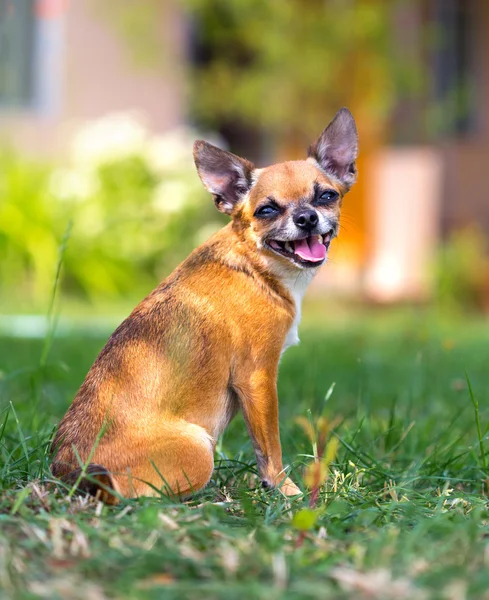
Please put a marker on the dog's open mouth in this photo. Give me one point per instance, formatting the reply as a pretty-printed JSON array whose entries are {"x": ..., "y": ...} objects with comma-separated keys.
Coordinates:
[{"x": 307, "y": 252}]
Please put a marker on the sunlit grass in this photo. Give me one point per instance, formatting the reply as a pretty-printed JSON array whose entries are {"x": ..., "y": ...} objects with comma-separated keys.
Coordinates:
[{"x": 403, "y": 514}]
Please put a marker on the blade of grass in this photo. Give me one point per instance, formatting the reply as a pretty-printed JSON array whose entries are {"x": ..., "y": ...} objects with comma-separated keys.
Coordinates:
[
  {"x": 4, "y": 425},
  {"x": 21, "y": 434},
  {"x": 21, "y": 496},
  {"x": 51, "y": 316},
  {"x": 475, "y": 403}
]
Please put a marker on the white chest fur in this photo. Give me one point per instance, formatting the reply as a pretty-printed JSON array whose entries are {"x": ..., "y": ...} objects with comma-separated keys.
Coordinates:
[{"x": 297, "y": 287}]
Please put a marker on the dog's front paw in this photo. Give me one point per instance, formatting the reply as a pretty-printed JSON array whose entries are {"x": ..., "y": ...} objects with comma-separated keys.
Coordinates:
[{"x": 288, "y": 488}]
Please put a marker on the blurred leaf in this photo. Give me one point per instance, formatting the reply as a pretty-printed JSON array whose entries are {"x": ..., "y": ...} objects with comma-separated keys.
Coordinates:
[{"x": 305, "y": 519}]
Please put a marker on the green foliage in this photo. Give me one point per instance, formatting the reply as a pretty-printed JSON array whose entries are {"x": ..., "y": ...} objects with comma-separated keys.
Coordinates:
[
  {"x": 280, "y": 67},
  {"x": 135, "y": 201},
  {"x": 285, "y": 65},
  {"x": 462, "y": 272},
  {"x": 28, "y": 227}
]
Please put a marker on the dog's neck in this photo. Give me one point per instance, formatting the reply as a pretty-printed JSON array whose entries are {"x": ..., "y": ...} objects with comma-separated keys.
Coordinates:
[
  {"x": 296, "y": 287},
  {"x": 289, "y": 283}
]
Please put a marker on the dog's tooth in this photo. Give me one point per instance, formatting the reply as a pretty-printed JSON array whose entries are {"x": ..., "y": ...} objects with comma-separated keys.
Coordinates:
[
  {"x": 288, "y": 247},
  {"x": 320, "y": 239}
]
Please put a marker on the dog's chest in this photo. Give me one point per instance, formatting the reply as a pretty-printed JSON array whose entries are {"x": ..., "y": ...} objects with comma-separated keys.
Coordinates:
[{"x": 297, "y": 288}]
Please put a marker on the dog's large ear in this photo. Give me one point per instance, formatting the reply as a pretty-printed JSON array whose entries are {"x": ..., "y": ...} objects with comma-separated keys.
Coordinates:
[
  {"x": 336, "y": 150},
  {"x": 226, "y": 176}
]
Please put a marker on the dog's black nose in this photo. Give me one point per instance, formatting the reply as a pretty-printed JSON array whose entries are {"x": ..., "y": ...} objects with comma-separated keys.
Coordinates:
[{"x": 306, "y": 219}]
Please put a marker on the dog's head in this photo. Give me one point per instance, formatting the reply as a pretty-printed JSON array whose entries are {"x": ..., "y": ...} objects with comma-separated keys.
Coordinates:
[{"x": 289, "y": 211}]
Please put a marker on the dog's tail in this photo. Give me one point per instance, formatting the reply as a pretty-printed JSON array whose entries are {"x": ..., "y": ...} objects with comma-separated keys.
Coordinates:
[{"x": 94, "y": 480}]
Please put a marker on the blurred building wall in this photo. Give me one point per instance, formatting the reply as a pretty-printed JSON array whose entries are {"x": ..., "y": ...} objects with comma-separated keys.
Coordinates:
[
  {"x": 79, "y": 68},
  {"x": 465, "y": 156},
  {"x": 404, "y": 222}
]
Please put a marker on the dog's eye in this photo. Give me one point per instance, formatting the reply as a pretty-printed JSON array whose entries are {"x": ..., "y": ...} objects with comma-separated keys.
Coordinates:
[
  {"x": 268, "y": 210},
  {"x": 328, "y": 196}
]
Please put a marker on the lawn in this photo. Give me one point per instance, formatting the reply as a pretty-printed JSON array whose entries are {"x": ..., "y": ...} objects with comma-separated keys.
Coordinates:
[{"x": 403, "y": 514}]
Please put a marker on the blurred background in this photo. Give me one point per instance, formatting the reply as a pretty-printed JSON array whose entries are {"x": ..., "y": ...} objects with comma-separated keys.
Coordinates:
[{"x": 100, "y": 103}]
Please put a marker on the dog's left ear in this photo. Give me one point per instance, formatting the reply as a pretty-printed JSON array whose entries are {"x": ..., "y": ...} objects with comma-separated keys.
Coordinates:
[
  {"x": 336, "y": 150},
  {"x": 226, "y": 176}
]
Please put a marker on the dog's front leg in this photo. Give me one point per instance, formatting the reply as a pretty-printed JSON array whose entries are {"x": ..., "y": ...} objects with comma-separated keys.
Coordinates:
[{"x": 259, "y": 402}]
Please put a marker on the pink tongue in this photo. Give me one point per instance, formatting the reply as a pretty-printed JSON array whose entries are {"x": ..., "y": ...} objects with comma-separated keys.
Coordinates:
[{"x": 310, "y": 249}]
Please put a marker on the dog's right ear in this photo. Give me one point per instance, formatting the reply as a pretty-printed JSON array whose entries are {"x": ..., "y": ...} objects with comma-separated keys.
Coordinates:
[
  {"x": 226, "y": 176},
  {"x": 336, "y": 150}
]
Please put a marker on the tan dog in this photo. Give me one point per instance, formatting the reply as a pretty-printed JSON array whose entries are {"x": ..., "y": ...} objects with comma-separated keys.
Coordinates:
[{"x": 207, "y": 341}]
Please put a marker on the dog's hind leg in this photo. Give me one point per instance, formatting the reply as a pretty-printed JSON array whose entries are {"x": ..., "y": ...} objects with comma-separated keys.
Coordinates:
[
  {"x": 175, "y": 458},
  {"x": 177, "y": 461},
  {"x": 94, "y": 480}
]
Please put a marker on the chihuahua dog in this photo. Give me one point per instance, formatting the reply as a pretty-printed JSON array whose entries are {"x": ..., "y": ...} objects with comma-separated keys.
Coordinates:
[{"x": 208, "y": 340}]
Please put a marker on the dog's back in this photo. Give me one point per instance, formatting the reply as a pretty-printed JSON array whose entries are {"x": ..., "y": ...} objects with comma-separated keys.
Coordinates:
[{"x": 168, "y": 368}]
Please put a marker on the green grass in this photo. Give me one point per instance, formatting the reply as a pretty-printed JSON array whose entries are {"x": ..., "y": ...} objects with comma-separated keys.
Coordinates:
[{"x": 403, "y": 515}]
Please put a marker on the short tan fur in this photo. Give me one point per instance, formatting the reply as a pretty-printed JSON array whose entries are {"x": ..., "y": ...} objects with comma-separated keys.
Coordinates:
[{"x": 208, "y": 340}]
